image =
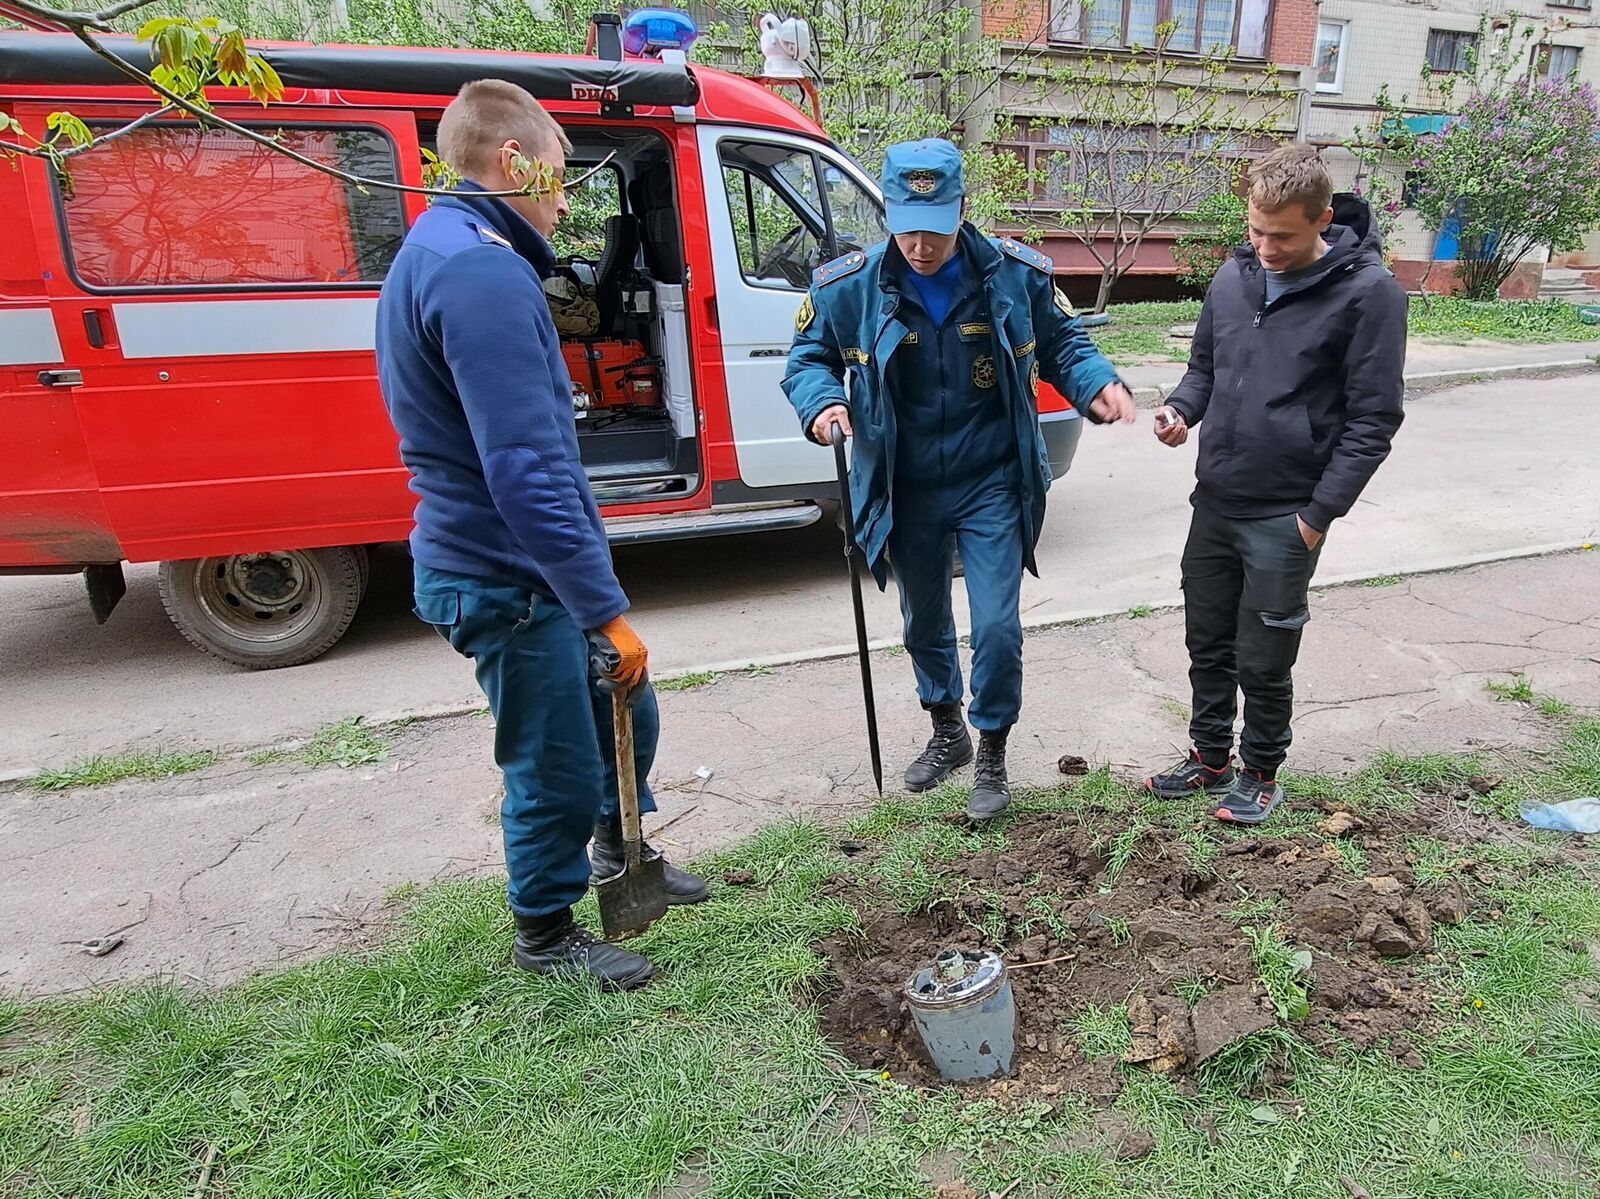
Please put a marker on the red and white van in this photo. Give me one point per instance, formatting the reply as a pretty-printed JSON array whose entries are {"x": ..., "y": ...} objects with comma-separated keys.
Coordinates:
[{"x": 186, "y": 326}]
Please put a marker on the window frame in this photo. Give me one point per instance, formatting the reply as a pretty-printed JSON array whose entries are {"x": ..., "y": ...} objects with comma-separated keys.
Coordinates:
[
  {"x": 827, "y": 239},
  {"x": 1036, "y": 154},
  {"x": 1462, "y": 38},
  {"x": 1544, "y": 56},
  {"x": 1337, "y": 86},
  {"x": 1074, "y": 33},
  {"x": 69, "y": 254}
]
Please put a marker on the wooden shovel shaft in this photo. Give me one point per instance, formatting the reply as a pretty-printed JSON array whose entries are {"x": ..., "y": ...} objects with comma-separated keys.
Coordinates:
[{"x": 627, "y": 779}]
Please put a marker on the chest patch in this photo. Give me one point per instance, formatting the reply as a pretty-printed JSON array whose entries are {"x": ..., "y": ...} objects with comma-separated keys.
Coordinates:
[{"x": 984, "y": 373}]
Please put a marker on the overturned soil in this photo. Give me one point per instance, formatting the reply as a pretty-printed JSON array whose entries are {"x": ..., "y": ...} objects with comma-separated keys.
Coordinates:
[{"x": 1167, "y": 937}]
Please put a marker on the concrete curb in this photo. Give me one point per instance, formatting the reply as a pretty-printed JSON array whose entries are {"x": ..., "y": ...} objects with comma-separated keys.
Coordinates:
[{"x": 1154, "y": 395}]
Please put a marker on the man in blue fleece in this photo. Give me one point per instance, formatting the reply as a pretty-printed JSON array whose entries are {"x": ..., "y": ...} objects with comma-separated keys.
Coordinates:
[
  {"x": 512, "y": 563},
  {"x": 928, "y": 349}
]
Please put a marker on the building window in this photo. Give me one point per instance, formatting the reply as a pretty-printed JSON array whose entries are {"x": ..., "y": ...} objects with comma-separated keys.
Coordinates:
[
  {"x": 1202, "y": 25},
  {"x": 1079, "y": 165},
  {"x": 1451, "y": 50},
  {"x": 1331, "y": 38},
  {"x": 1583, "y": 4},
  {"x": 174, "y": 205},
  {"x": 1556, "y": 63}
]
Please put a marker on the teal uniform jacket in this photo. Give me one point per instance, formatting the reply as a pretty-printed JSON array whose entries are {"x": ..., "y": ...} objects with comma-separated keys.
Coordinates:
[{"x": 847, "y": 332}]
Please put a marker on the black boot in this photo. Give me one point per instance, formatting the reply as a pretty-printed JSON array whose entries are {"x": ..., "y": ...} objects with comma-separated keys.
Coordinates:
[
  {"x": 606, "y": 858},
  {"x": 990, "y": 793},
  {"x": 556, "y": 945},
  {"x": 949, "y": 748}
]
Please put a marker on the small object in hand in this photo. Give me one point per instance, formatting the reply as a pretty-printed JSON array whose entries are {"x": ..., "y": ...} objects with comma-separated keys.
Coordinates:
[
  {"x": 1164, "y": 420},
  {"x": 1072, "y": 766}
]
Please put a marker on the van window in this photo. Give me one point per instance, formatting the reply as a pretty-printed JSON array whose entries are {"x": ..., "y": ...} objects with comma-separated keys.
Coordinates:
[
  {"x": 599, "y": 198},
  {"x": 180, "y": 206},
  {"x": 791, "y": 212}
]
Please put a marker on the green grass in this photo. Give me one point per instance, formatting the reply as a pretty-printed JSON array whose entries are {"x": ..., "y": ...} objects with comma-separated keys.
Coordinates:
[
  {"x": 1140, "y": 611},
  {"x": 1552, "y": 707},
  {"x": 346, "y": 744},
  {"x": 1283, "y": 970},
  {"x": 1253, "y": 908},
  {"x": 101, "y": 769},
  {"x": 428, "y": 1068},
  {"x": 1450, "y": 318},
  {"x": 1140, "y": 330},
  {"x": 688, "y": 682},
  {"x": 1102, "y": 1031},
  {"x": 1518, "y": 691},
  {"x": 1383, "y": 581}
]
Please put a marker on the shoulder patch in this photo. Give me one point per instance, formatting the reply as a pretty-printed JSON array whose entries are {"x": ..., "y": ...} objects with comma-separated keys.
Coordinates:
[
  {"x": 849, "y": 264},
  {"x": 1027, "y": 254},
  {"x": 492, "y": 236}
]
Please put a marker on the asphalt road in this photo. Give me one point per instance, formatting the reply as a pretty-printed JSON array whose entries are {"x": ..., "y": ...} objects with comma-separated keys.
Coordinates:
[{"x": 1478, "y": 472}]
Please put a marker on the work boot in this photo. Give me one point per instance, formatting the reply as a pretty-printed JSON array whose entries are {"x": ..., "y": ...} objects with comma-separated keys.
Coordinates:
[
  {"x": 948, "y": 749},
  {"x": 990, "y": 793},
  {"x": 606, "y": 858},
  {"x": 555, "y": 945}
]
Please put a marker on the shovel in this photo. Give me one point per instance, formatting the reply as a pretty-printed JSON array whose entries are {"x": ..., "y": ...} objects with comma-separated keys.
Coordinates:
[{"x": 630, "y": 902}]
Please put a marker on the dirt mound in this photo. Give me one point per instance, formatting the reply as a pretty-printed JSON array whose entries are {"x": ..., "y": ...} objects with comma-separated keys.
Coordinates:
[{"x": 1205, "y": 941}]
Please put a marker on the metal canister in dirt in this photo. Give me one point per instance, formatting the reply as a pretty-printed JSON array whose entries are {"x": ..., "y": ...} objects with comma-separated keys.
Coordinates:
[{"x": 965, "y": 1015}]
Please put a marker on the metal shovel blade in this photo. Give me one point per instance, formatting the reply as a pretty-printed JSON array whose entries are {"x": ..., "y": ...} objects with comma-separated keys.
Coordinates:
[{"x": 633, "y": 900}]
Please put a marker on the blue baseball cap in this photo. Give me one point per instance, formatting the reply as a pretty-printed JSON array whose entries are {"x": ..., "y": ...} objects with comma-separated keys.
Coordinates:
[{"x": 923, "y": 186}]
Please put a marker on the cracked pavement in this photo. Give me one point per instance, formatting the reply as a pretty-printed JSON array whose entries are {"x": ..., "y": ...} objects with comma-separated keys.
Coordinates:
[{"x": 242, "y": 867}]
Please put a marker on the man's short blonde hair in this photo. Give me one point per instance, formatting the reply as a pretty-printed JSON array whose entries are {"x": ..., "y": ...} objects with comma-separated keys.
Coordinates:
[
  {"x": 485, "y": 115},
  {"x": 1291, "y": 174}
]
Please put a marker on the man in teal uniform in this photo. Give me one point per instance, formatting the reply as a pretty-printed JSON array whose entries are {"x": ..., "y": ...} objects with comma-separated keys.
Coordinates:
[{"x": 928, "y": 350}]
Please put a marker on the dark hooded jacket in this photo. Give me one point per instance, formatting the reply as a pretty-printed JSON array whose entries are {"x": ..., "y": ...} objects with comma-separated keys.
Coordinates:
[{"x": 1299, "y": 398}]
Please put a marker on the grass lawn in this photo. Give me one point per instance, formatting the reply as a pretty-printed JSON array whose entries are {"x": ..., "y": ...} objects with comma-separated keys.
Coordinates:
[
  {"x": 1139, "y": 331},
  {"x": 427, "y": 1067}
]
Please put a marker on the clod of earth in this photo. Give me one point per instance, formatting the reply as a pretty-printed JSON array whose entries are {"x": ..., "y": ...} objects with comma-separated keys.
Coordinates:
[
  {"x": 1224, "y": 1017},
  {"x": 1163, "y": 1037},
  {"x": 739, "y": 878},
  {"x": 1072, "y": 766},
  {"x": 1483, "y": 784},
  {"x": 1447, "y": 902},
  {"x": 1341, "y": 824}
]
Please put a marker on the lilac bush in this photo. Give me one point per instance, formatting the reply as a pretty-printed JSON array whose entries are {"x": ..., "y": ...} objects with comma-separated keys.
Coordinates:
[{"x": 1517, "y": 168}]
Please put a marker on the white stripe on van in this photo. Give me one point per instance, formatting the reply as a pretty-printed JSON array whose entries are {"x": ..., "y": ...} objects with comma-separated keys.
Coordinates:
[
  {"x": 28, "y": 335},
  {"x": 199, "y": 328}
]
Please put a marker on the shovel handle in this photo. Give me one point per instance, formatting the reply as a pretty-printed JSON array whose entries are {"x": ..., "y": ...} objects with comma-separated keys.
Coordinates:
[{"x": 627, "y": 778}]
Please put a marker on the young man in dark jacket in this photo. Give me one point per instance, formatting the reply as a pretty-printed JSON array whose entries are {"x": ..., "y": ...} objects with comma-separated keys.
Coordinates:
[
  {"x": 1297, "y": 372},
  {"x": 512, "y": 563}
]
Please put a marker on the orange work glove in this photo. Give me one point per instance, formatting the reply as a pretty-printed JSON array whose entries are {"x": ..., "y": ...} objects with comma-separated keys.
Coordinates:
[{"x": 633, "y": 658}]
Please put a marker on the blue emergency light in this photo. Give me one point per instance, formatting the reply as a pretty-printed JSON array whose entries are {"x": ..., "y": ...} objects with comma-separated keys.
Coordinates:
[{"x": 651, "y": 30}]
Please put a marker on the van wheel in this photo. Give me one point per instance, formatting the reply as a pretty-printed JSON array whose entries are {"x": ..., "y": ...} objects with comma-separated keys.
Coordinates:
[{"x": 263, "y": 611}]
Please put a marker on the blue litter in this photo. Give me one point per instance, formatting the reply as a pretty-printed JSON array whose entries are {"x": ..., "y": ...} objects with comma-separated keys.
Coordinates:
[{"x": 1573, "y": 816}]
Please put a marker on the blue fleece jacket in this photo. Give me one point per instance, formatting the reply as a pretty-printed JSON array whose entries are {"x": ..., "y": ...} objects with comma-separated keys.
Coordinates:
[{"x": 471, "y": 370}]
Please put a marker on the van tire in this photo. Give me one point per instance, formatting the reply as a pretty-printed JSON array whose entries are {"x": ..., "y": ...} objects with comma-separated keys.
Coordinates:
[{"x": 265, "y": 611}]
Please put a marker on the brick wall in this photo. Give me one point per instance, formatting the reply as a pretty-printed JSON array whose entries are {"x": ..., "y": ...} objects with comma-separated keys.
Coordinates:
[
  {"x": 1294, "y": 32},
  {"x": 1022, "y": 20}
]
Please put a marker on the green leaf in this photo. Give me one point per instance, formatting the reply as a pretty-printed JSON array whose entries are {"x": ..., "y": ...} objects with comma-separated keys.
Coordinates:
[
  {"x": 1266, "y": 1114},
  {"x": 9, "y": 123},
  {"x": 150, "y": 28},
  {"x": 64, "y": 124}
]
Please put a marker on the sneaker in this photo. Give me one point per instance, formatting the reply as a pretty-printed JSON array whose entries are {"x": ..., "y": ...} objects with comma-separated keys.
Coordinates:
[
  {"x": 1191, "y": 775},
  {"x": 949, "y": 749},
  {"x": 556, "y": 945},
  {"x": 1254, "y": 795}
]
